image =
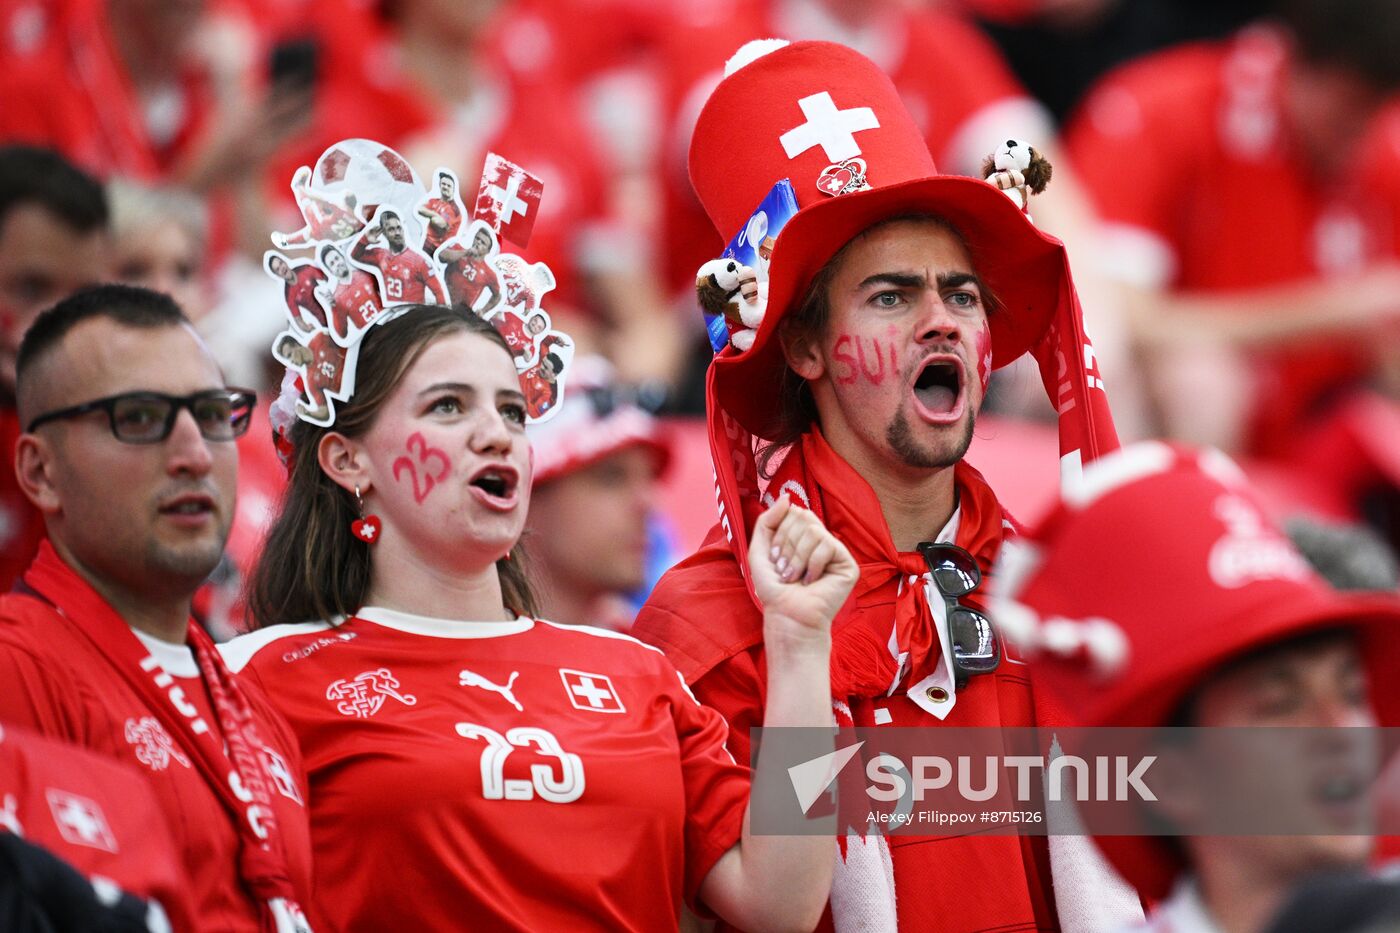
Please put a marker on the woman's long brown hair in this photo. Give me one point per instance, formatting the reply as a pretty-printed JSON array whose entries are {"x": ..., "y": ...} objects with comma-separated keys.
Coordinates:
[{"x": 312, "y": 567}]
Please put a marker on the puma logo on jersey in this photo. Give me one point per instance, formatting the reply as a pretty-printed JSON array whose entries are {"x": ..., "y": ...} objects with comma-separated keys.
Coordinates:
[{"x": 472, "y": 679}]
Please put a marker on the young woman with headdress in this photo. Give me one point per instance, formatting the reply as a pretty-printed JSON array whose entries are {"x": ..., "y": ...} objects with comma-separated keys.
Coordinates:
[{"x": 473, "y": 766}]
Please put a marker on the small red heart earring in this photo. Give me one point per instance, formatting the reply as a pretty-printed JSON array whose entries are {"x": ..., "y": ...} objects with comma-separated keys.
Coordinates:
[{"x": 366, "y": 527}]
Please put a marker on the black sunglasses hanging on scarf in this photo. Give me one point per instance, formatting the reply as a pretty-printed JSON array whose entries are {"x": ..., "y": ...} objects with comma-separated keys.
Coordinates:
[{"x": 954, "y": 571}]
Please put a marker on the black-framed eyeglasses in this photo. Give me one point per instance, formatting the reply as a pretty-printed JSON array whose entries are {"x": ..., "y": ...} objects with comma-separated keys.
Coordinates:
[
  {"x": 149, "y": 417},
  {"x": 976, "y": 649}
]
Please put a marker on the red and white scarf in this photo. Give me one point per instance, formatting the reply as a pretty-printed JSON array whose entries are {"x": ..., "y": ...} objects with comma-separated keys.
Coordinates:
[{"x": 235, "y": 776}]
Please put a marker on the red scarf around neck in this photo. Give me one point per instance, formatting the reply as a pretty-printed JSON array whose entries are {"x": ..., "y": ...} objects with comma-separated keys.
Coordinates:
[
  {"x": 866, "y": 646},
  {"x": 234, "y": 775}
]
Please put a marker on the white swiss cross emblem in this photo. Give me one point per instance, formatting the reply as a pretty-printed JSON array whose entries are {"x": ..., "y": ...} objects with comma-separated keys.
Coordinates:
[
  {"x": 509, "y": 199},
  {"x": 80, "y": 820},
  {"x": 834, "y": 130},
  {"x": 592, "y": 692}
]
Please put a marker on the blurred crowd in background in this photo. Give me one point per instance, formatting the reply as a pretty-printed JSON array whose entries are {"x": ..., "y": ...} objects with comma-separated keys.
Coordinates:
[{"x": 1227, "y": 181}]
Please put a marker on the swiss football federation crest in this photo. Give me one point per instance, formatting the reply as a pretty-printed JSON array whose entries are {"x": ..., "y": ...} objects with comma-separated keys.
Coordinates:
[
  {"x": 593, "y": 692},
  {"x": 154, "y": 747},
  {"x": 363, "y": 696},
  {"x": 80, "y": 820}
]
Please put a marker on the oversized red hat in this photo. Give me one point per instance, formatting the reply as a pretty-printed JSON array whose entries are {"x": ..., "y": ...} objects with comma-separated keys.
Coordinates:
[
  {"x": 1159, "y": 567},
  {"x": 791, "y": 114}
]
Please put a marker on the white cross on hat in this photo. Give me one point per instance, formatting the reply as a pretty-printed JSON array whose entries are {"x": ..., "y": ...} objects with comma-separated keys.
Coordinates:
[{"x": 834, "y": 130}]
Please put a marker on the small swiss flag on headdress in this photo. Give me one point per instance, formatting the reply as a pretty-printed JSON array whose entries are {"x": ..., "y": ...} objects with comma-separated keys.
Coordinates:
[{"x": 508, "y": 199}]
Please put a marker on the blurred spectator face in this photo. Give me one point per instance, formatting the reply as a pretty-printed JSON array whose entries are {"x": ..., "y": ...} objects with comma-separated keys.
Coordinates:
[
  {"x": 42, "y": 259},
  {"x": 589, "y": 527},
  {"x": 158, "y": 242},
  {"x": 165, "y": 259},
  {"x": 454, "y": 19},
  {"x": 170, "y": 20},
  {"x": 1318, "y": 683},
  {"x": 1331, "y": 110}
]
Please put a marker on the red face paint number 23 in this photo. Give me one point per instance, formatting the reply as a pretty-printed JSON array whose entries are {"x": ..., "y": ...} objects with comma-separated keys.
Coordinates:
[{"x": 423, "y": 456}]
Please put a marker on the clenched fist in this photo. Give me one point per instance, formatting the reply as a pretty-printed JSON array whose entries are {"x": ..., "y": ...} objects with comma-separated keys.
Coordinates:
[{"x": 801, "y": 573}]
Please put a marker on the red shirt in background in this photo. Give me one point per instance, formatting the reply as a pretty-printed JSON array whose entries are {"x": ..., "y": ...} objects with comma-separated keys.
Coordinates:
[
  {"x": 524, "y": 744},
  {"x": 96, "y": 814},
  {"x": 1189, "y": 157},
  {"x": 533, "y": 122}
]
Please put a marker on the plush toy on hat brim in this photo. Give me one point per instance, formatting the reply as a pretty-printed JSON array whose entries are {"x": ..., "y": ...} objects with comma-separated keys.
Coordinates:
[
  {"x": 1159, "y": 568},
  {"x": 1025, "y": 269}
]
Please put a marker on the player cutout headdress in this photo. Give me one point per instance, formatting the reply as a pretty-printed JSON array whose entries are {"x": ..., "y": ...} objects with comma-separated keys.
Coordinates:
[{"x": 376, "y": 239}]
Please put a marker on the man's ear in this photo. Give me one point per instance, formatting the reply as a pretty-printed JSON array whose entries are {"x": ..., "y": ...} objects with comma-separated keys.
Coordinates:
[
  {"x": 34, "y": 469},
  {"x": 343, "y": 460},
  {"x": 802, "y": 352}
]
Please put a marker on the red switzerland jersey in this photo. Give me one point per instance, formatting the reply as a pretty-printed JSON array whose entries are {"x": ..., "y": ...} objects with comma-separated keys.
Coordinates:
[
  {"x": 356, "y": 303},
  {"x": 407, "y": 277},
  {"x": 324, "y": 372},
  {"x": 96, "y": 814},
  {"x": 467, "y": 278},
  {"x": 451, "y": 215},
  {"x": 1192, "y": 165},
  {"x": 57, "y": 683},
  {"x": 505, "y": 775},
  {"x": 301, "y": 294},
  {"x": 511, "y": 326}
]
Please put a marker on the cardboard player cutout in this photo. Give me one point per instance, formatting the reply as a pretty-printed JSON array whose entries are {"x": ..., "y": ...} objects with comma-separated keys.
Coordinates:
[
  {"x": 404, "y": 273},
  {"x": 442, "y": 211},
  {"x": 467, "y": 267},
  {"x": 366, "y": 214}
]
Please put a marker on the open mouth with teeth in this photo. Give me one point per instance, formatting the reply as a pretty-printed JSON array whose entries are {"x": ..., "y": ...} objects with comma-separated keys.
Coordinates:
[
  {"x": 190, "y": 505},
  {"x": 939, "y": 390},
  {"x": 496, "y": 486}
]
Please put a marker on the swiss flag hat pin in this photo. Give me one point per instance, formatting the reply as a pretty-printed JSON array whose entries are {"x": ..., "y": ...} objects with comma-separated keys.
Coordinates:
[
  {"x": 798, "y": 112},
  {"x": 1160, "y": 566}
]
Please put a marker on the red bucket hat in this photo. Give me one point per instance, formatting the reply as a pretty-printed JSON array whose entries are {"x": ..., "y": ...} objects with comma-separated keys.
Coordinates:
[
  {"x": 1160, "y": 566},
  {"x": 793, "y": 113}
]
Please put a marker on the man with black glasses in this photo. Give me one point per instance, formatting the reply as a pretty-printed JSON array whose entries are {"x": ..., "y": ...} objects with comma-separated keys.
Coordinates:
[{"x": 129, "y": 453}]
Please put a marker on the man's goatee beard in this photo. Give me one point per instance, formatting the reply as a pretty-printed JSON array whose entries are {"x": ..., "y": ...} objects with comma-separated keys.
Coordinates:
[{"x": 901, "y": 440}]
